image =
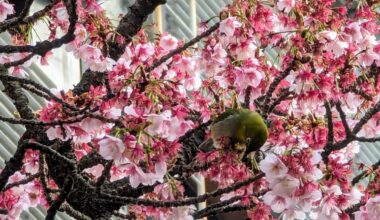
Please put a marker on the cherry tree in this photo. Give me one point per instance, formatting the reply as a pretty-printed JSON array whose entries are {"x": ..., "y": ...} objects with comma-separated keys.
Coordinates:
[{"x": 128, "y": 134}]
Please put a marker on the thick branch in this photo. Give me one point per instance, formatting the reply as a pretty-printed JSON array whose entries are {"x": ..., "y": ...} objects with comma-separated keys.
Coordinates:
[
  {"x": 52, "y": 211},
  {"x": 90, "y": 160},
  {"x": 232, "y": 208},
  {"x": 330, "y": 126},
  {"x": 131, "y": 23},
  {"x": 65, "y": 207},
  {"x": 28, "y": 122},
  {"x": 21, "y": 102}
]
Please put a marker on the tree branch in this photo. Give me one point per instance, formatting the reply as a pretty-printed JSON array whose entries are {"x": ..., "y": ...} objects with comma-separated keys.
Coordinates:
[
  {"x": 284, "y": 94},
  {"x": 21, "y": 182},
  {"x": 232, "y": 208},
  {"x": 41, "y": 48},
  {"x": 273, "y": 86},
  {"x": 187, "y": 201},
  {"x": 105, "y": 174},
  {"x": 48, "y": 150},
  {"x": 357, "y": 178},
  {"x": 21, "y": 102},
  {"x": 342, "y": 116},
  {"x": 13, "y": 22},
  {"x": 210, "y": 208},
  {"x": 178, "y": 50},
  {"x": 52, "y": 211},
  {"x": 65, "y": 207},
  {"x": 131, "y": 23}
]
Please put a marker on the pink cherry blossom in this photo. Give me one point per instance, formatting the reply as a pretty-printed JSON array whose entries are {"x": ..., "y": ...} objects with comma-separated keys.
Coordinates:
[
  {"x": 168, "y": 42},
  {"x": 144, "y": 51},
  {"x": 363, "y": 214},
  {"x": 96, "y": 171},
  {"x": 286, "y": 5},
  {"x": 273, "y": 167},
  {"x": 80, "y": 33},
  {"x": 61, "y": 16},
  {"x": 326, "y": 36},
  {"x": 137, "y": 176},
  {"x": 373, "y": 206},
  {"x": 5, "y": 10},
  {"x": 94, "y": 8},
  {"x": 228, "y": 26},
  {"x": 57, "y": 132},
  {"x": 158, "y": 123},
  {"x": 44, "y": 59},
  {"x": 31, "y": 160},
  {"x": 328, "y": 208},
  {"x": 370, "y": 129},
  {"x": 178, "y": 127},
  {"x": 111, "y": 148},
  {"x": 368, "y": 57},
  {"x": 337, "y": 47},
  {"x": 354, "y": 30},
  {"x": 246, "y": 51},
  {"x": 293, "y": 213},
  {"x": 248, "y": 77},
  {"x": 8, "y": 201},
  {"x": 193, "y": 83},
  {"x": 285, "y": 185},
  {"x": 183, "y": 212},
  {"x": 113, "y": 113},
  {"x": 276, "y": 202}
]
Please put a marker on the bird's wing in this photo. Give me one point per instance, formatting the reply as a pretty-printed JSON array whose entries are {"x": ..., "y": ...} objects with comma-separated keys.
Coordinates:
[
  {"x": 226, "y": 127},
  {"x": 226, "y": 114}
]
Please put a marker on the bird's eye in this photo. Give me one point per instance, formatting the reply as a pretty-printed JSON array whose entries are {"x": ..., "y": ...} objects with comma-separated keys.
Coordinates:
[{"x": 248, "y": 141}]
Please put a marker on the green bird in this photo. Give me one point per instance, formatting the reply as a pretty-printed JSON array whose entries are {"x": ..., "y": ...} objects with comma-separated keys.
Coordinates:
[{"x": 240, "y": 130}]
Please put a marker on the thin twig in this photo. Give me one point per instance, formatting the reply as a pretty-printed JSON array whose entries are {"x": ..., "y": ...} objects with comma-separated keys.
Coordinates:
[
  {"x": 21, "y": 182},
  {"x": 224, "y": 203},
  {"x": 358, "y": 177},
  {"x": 5, "y": 25},
  {"x": 342, "y": 116},
  {"x": 41, "y": 48},
  {"x": 187, "y": 201},
  {"x": 273, "y": 86},
  {"x": 190, "y": 43},
  {"x": 52, "y": 211},
  {"x": 48, "y": 150}
]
